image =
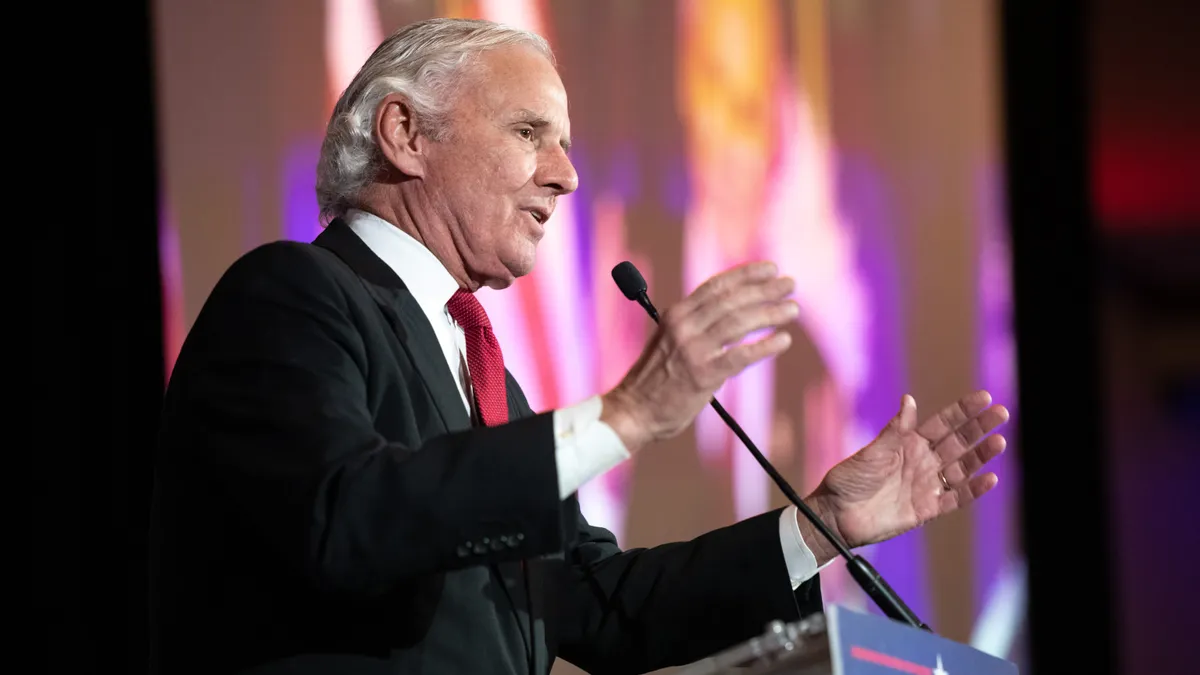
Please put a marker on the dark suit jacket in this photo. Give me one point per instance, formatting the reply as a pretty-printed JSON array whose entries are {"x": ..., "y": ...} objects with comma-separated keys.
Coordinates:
[{"x": 324, "y": 505}]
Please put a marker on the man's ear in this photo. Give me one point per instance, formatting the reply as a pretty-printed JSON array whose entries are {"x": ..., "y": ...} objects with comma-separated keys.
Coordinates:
[{"x": 400, "y": 139}]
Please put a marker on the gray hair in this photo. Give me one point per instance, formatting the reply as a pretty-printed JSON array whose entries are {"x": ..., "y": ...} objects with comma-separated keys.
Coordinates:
[{"x": 424, "y": 62}]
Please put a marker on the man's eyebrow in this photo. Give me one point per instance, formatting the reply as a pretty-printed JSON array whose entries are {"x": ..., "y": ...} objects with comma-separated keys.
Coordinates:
[
  {"x": 538, "y": 121},
  {"x": 530, "y": 117}
]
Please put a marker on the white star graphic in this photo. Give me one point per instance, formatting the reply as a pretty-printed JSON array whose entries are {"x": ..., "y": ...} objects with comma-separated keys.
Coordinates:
[{"x": 939, "y": 670}]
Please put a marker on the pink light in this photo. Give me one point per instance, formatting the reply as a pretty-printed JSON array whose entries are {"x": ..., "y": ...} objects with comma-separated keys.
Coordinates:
[
  {"x": 525, "y": 14},
  {"x": 352, "y": 32}
]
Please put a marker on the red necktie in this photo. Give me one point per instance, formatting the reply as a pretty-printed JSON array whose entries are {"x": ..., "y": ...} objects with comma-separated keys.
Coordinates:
[{"x": 484, "y": 360}]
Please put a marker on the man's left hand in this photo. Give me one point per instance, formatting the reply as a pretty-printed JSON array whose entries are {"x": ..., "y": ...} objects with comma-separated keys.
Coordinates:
[{"x": 899, "y": 481}]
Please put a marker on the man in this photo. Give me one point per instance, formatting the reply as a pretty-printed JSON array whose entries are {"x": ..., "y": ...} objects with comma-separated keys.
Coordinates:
[{"x": 349, "y": 481}]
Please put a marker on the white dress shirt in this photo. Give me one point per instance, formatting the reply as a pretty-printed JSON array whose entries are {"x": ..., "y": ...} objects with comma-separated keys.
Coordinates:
[{"x": 585, "y": 447}]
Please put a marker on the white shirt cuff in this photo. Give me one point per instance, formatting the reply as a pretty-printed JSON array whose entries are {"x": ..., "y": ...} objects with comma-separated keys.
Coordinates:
[
  {"x": 584, "y": 447},
  {"x": 801, "y": 563}
]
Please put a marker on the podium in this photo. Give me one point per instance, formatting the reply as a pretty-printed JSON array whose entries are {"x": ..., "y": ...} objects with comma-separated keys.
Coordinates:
[{"x": 844, "y": 642}]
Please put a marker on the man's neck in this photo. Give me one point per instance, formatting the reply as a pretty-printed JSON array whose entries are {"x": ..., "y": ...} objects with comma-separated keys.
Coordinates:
[{"x": 430, "y": 231}]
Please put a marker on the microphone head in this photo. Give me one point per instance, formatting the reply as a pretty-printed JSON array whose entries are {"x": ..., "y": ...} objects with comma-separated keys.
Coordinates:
[{"x": 629, "y": 280}]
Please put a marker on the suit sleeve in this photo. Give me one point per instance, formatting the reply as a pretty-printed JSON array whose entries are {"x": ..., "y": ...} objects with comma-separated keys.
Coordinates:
[
  {"x": 268, "y": 410},
  {"x": 643, "y": 609}
]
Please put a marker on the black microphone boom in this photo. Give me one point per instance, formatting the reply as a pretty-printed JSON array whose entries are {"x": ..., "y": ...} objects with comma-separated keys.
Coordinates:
[{"x": 633, "y": 285}]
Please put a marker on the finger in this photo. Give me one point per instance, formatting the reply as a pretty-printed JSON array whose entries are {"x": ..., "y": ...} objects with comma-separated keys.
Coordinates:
[
  {"x": 720, "y": 307},
  {"x": 965, "y": 466},
  {"x": 907, "y": 417},
  {"x": 954, "y": 415},
  {"x": 736, "y": 359},
  {"x": 966, "y": 435},
  {"x": 725, "y": 282},
  {"x": 736, "y": 326},
  {"x": 964, "y": 493}
]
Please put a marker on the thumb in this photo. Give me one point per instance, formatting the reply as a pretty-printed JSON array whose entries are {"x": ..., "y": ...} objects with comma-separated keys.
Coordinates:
[{"x": 906, "y": 419}]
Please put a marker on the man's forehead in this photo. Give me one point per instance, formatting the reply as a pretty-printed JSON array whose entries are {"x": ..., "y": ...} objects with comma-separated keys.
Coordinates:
[{"x": 519, "y": 79}]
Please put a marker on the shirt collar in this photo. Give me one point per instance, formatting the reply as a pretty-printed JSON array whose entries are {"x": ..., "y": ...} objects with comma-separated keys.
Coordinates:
[{"x": 425, "y": 276}]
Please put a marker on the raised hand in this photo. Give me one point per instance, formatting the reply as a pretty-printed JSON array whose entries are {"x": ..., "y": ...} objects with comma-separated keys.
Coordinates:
[
  {"x": 699, "y": 345},
  {"x": 911, "y": 474}
]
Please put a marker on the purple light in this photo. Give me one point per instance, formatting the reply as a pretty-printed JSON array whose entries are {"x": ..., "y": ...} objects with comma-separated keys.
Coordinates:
[
  {"x": 864, "y": 201},
  {"x": 995, "y": 542},
  {"x": 301, "y": 217}
]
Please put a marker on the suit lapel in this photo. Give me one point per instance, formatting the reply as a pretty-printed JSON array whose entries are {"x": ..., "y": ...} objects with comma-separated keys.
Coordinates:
[
  {"x": 429, "y": 360},
  {"x": 406, "y": 318}
]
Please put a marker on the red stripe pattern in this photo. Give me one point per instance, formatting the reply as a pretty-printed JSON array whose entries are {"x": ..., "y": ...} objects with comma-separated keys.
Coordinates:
[{"x": 879, "y": 658}]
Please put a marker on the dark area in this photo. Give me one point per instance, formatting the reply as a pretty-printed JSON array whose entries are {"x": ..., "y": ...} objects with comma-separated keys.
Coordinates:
[
  {"x": 1065, "y": 520},
  {"x": 99, "y": 360}
]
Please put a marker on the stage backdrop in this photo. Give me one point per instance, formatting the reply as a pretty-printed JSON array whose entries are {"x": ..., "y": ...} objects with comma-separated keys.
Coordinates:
[{"x": 852, "y": 142}]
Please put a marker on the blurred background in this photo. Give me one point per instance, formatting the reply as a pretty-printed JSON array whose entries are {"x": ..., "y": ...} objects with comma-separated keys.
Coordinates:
[{"x": 970, "y": 194}]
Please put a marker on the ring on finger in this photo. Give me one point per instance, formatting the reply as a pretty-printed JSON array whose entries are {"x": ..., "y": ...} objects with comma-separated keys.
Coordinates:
[{"x": 945, "y": 483}]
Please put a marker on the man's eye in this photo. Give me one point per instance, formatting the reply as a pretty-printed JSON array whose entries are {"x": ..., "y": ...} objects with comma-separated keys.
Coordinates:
[{"x": 527, "y": 134}]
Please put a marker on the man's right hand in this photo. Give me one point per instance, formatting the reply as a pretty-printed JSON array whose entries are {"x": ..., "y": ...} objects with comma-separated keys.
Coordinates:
[{"x": 696, "y": 348}]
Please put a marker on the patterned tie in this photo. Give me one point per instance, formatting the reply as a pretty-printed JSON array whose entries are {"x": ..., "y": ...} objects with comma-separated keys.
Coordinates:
[{"x": 484, "y": 360}]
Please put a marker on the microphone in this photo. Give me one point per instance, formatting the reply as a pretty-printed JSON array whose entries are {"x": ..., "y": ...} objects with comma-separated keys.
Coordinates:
[{"x": 633, "y": 285}]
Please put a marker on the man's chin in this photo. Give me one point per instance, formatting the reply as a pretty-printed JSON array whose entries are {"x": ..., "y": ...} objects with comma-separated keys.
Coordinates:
[
  {"x": 522, "y": 263},
  {"x": 515, "y": 268}
]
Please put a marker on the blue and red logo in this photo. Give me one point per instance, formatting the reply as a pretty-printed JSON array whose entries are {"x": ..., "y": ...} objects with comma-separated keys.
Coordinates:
[{"x": 896, "y": 663}]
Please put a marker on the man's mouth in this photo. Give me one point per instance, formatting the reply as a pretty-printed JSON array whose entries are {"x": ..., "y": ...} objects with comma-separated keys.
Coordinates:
[{"x": 540, "y": 216}]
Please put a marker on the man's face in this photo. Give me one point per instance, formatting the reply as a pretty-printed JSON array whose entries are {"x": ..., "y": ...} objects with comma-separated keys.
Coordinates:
[{"x": 496, "y": 174}]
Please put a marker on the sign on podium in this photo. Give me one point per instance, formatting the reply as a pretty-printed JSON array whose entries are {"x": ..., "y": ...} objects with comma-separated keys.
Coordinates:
[{"x": 844, "y": 642}]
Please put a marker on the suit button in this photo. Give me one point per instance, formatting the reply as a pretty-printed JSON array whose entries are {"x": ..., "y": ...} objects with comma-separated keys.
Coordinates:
[
  {"x": 462, "y": 551},
  {"x": 520, "y": 536},
  {"x": 480, "y": 549}
]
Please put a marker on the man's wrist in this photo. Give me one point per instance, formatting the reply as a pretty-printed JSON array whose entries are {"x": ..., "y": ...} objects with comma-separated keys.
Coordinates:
[
  {"x": 822, "y": 549},
  {"x": 617, "y": 412}
]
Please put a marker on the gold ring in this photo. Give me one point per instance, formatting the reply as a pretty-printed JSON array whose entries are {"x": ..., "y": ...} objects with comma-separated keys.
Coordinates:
[{"x": 945, "y": 483}]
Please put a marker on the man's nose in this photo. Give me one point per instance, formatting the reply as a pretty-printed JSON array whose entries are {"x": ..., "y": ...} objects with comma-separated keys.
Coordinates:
[{"x": 558, "y": 173}]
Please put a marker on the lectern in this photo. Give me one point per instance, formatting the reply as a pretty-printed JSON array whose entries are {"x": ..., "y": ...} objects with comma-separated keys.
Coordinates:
[{"x": 844, "y": 642}]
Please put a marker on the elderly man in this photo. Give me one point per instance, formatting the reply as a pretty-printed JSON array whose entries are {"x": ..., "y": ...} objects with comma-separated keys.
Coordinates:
[{"x": 350, "y": 482}]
